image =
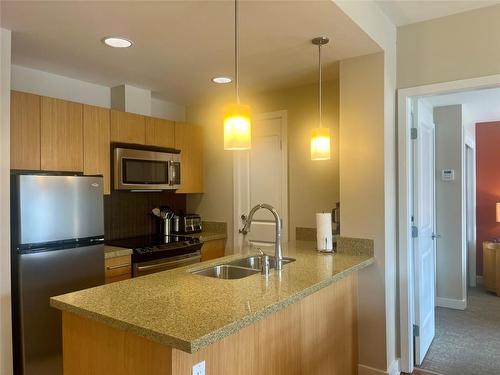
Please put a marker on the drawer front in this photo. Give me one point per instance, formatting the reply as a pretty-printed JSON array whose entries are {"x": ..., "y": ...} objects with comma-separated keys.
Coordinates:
[{"x": 118, "y": 266}]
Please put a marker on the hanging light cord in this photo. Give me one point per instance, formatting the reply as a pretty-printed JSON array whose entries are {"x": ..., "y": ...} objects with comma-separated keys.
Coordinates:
[
  {"x": 236, "y": 51},
  {"x": 319, "y": 93}
]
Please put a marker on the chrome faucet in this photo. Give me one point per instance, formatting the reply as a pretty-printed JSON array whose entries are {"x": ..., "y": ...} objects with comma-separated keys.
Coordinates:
[{"x": 278, "y": 253}]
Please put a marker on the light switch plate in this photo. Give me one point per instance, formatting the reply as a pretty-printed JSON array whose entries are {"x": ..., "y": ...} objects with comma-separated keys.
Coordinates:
[{"x": 199, "y": 368}]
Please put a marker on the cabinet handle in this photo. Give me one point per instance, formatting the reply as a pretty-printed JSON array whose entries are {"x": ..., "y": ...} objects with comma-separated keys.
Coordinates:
[{"x": 124, "y": 265}]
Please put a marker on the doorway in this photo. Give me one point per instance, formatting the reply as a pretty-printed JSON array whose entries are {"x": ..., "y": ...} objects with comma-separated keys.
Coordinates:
[
  {"x": 411, "y": 294},
  {"x": 261, "y": 176}
]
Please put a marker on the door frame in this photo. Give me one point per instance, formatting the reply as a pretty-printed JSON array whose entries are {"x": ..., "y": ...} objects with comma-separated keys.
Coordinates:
[
  {"x": 241, "y": 181},
  {"x": 405, "y": 251}
]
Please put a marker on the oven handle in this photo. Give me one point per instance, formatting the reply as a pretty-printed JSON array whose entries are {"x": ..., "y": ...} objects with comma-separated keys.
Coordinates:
[{"x": 170, "y": 263}]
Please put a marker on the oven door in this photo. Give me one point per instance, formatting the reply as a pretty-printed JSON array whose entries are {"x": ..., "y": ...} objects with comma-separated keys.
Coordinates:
[
  {"x": 164, "y": 264},
  {"x": 142, "y": 170}
]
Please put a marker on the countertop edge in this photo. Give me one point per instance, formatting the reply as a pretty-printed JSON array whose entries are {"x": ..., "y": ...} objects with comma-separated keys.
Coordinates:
[
  {"x": 202, "y": 342},
  {"x": 234, "y": 327}
]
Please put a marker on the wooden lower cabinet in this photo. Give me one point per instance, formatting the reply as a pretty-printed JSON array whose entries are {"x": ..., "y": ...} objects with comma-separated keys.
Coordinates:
[
  {"x": 316, "y": 335},
  {"x": 213, "y": 249},
  {"x": 118, "y": 268}
]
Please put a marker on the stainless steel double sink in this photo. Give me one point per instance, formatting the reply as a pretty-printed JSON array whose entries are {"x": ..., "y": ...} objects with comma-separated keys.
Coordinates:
[{"x": 239, "y": 268}]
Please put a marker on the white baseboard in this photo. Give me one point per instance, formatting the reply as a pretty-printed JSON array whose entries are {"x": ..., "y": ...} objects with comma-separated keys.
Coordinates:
[
  {"x": 457, "y": 304},
  {"x": 367, "y": 370}
]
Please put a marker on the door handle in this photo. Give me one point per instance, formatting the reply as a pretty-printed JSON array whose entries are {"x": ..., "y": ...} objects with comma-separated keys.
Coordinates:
[{"x": 434, "y": 236}]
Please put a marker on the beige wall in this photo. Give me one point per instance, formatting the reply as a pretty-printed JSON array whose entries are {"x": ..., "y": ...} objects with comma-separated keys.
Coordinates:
[
  {"x": 460, "y": 46},
  {"x": 362, "y": 191},
  {"x": 450, "y": 256},
  {"x": 313, "y": 185},
  {"x": 5, "y": 302}
]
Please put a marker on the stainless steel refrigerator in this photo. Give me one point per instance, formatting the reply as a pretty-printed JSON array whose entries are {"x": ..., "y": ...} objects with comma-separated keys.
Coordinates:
[{"x": 57, "y": 247}]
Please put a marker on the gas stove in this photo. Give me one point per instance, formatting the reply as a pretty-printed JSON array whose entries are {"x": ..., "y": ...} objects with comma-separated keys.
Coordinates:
[{"x": 152, "y": 248}]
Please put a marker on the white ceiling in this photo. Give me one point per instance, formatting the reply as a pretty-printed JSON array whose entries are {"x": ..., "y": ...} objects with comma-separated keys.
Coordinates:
[
  {"x": 180, "y": 45},
  {"x": 404, "y": 12},
  {"x": 480, "y": 105}
]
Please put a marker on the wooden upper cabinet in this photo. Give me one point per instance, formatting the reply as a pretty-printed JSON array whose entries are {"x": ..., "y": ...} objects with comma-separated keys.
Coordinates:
[
  {"x": 96, "y": 143},
  {"x": 160, "y": 132},
  {"x": 61, "y": 135},
  {"x": 24, "y": 131},
  {"x": 127, "y": 127},
  {"x": 189, "y": 139}
]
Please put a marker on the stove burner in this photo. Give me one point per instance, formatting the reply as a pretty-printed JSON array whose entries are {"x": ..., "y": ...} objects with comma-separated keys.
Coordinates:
[{"x": 148, "y": 248}]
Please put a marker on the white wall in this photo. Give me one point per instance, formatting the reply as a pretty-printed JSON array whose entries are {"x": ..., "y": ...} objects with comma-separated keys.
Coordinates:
[
  {"x": 61, "y": 87},
  {"x": 377, "y": 290},
  {"x": 57, "y": 86},
  {"x": 5, "y": 302},
  {"x": 450, "y": 255},
  {"x": 163, "y": 109}
]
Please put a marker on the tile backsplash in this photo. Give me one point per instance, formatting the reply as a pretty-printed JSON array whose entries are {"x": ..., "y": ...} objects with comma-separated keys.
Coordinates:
[{"x": 128, "y": 214}]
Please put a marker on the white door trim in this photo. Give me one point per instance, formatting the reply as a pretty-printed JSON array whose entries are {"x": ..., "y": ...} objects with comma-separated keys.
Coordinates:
[
  {"x": 404, "y": 201},
  {"x": 241, "y": 179}
]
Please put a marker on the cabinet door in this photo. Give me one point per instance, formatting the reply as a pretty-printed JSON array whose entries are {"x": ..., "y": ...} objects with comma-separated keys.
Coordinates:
[
  {"x": 61, "y": 134},
  {"x": 127, "y": 127},
  {"x": 24, "y": 131},
  {"x": 160, "y": 132},
  {"x": 118, "y": 268},
  {"x": 189, "y": 139},
  {"x": 96, "y": 143},
  {"x": 213, "y": 249}
]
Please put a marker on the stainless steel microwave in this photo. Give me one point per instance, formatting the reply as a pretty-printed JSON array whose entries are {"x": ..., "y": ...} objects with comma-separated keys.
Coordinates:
[{"x": 140, "y": 169}]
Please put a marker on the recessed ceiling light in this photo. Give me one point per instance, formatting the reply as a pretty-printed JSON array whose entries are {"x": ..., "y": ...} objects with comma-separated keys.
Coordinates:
[
  {"x": 117, "y": 42},
  {"x": 222, "y": 80}
]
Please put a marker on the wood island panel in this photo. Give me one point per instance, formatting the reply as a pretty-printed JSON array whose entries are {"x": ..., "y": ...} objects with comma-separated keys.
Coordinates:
[{"x": 316, "y": 335}]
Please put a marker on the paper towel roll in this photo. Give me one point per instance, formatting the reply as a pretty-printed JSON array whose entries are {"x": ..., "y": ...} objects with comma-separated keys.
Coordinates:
[{"x": 324, "y": 232}]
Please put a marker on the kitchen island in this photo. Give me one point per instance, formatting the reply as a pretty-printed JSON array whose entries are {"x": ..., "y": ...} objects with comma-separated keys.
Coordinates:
[{"x": 299, "y": 320}]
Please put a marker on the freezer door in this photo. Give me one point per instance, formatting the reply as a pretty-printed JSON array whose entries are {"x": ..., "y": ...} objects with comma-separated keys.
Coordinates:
[
  {"x": 55, "y": 208},
  {"x": 41, "y": 276}
]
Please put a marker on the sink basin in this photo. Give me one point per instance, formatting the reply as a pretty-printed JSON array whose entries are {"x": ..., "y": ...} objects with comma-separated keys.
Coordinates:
[
  {"x": 226, "y": 271},
  {"x": 255, "y": 262}
]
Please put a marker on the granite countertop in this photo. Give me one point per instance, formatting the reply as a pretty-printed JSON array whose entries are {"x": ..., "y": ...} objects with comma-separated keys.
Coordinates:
[
  {"x": 189, "y": 312},
  {"x": 114, "y": 251}
]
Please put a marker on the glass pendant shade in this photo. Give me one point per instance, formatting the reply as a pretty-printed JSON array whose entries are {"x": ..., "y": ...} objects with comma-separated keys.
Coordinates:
[
  {"x": 237, "y": 127},
  {"x": 320, "y": 144}
]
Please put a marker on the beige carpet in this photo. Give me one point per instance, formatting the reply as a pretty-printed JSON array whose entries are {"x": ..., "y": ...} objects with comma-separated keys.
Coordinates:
[{"x": 467, "y": 342}]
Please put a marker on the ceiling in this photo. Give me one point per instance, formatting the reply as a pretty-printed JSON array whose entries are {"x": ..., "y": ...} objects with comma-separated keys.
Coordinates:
[
  {"x": 480, "y": 105},
  {"x": 180, "y": 45},
  {"x": 405, "y": 12}
]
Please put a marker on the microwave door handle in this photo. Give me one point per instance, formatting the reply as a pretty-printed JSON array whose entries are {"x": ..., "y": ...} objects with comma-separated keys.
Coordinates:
[
  {"x": 174, "y": 173},
  {"x": 170, "y": 173}
]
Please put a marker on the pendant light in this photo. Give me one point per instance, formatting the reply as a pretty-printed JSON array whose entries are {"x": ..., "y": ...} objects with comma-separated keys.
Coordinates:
[
  {"x": 237, "y": 120},
  {"x": 320, "y": 136}
]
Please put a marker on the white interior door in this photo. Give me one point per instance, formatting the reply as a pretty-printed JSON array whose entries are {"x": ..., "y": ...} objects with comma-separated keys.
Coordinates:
[
  {"x": 424, "y": 208},
  {"x": 261, "y": 177}
]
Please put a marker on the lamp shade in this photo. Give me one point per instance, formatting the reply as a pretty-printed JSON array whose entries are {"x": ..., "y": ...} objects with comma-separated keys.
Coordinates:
[
  {"x": 237, "y": 127},
  {"x": 498, "y": 212},
  {"x": 320, "y": 144}
]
